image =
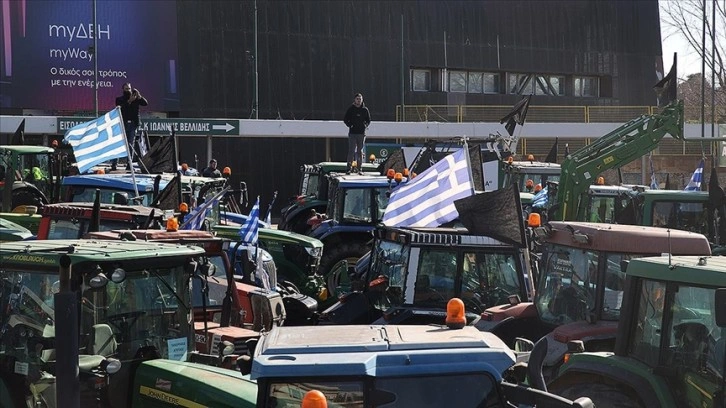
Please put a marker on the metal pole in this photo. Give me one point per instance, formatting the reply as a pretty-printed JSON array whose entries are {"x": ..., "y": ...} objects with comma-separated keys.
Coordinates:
[
  {"x": 95, "y": 61},
  {"x": 403, "y": 76},
  {"x": 257, "y": 95},
  {"x": 68, "y": 390},
  {"x": 713, "y": 72},
  {"x": 703, "y": 70}
]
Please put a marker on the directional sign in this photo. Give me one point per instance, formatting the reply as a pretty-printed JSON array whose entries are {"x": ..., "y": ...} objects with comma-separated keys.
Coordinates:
[{"x": 159, "y": 126}]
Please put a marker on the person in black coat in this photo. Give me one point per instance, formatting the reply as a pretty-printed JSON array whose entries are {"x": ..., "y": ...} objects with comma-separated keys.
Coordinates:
[{"x": 357, "y": 118}]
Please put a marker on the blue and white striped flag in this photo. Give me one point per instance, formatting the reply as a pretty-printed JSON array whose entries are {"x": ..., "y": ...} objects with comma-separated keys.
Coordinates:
[
  {"x": 428, "y": 200},
  {"x": 98, "y": 140},
  {"x": 196, "y": 218},
  {"x": 248, "y": 230},
  {"x": 696, "y": 178},
  {"x": 540, "y": 199}
]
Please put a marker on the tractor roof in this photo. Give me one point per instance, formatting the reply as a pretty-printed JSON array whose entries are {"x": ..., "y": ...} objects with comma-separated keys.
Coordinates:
[
  {"x": 628, "y": 239},
  {"x": 48, "y": 252},
  {"x": 696, "y": 270},
  {"x": 378, "y": 351},
  {"x": 23, "y": 149}
]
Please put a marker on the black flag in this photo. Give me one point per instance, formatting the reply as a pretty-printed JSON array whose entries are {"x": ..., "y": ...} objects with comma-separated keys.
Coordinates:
[
  {"x": 477, "y": 171},
  {"x": 552, "y": 155},
  {"x": 497, "y": 214},
  {"x": 666, "y": 89},
  {"x": 19, "y": 136},
  {"x": 161, "y": 157},
  {"x": 395, "y": 161},
  {"x": 715, "y": 192},
  {"x": 168, "y": 199},
  {"x": 517, "y": 115},
  {"x": 95, "y": 224}
]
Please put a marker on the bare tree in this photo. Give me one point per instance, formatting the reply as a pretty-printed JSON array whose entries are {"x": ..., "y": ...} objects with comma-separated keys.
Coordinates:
[{"x": 684, "y": 18}]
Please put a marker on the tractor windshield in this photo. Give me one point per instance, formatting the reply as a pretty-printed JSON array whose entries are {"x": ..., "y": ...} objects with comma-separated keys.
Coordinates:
[
  {"x": 574, "y": 280},
  {"x": 389, "y": 259},
  {"x": 149, "y": 307},
  {"x": 478, "y": 389},
  {"x": 26, "y": 300},
  {"x": 694, "y": 346},
  {"x": 683, "y": 216},
  {"x": 362, "y": 205},
  {"x": 76, "y": 227}
]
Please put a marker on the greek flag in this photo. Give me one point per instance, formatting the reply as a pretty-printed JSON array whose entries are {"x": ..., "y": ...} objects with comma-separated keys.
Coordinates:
[
  {"x": 195, "y": 220},
  {"x": 540, "y": 199},
  {"x": 696, "y": 178},
  {"x": 248, "y": 230},
  {"x": 98, "y": 140},
  {"x": 428, "y": 200}
]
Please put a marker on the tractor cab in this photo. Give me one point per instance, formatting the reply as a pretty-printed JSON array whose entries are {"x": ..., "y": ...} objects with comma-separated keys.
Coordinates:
[
  {"x": 27, "y": 176},
  {"x": 413, "y": 272}
]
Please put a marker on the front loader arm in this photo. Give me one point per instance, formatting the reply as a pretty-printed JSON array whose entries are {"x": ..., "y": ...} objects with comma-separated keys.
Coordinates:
[{"x": 617, "y": 148}]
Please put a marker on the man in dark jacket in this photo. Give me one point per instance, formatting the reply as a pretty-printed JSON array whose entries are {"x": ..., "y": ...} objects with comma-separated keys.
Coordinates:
[
  {"x": 357, "y": 118},
  {"x": 129, "y": 102}
]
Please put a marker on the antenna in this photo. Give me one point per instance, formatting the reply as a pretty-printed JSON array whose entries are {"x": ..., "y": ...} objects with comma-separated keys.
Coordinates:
[{"x": 670, "y": 252}]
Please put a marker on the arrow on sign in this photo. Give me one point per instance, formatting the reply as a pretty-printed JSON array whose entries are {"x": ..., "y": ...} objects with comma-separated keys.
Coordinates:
[{"x": 226, "y": 127}]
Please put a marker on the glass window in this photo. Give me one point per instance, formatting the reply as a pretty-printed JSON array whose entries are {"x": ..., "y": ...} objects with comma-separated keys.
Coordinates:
[
  {"x": 518, "y": 83},
  {"x": 568, "y": 291},
  {"x": 475, "y": 82},
  {"x": 338, "y": 394},
  {"x": 421, "y": 79},
  {"x": 695, "y": 342},
  {"x": 357, "y": 205},
  {"x": 586, "y": 86},
  {"x": 490, "y": 83},
  {"x": 682, "y": 216},
  {"x": 549, "y": 85},
  {"x": 436, "y": 279},
  {"x": 488, "y": 279},
  {"x": 462, "y": 390},
  {"x": 457, "y": 81},
  {"x": 649, "y": 319}
]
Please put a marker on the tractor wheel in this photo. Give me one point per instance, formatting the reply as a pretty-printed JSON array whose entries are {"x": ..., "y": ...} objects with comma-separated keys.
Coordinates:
[
  {"x": 602, "y": 395},
  {"x": 332, "y": 257},
  {"x": 26, "y": 196}
]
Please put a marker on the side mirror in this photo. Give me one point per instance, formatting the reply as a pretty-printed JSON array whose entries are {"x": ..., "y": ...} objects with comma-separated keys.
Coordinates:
[
  {"x": 720, "y": 305},
  {"x": 624, "y": 265}
]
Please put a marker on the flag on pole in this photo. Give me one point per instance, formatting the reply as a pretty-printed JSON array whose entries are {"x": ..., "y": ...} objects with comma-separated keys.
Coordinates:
[
  {"x": 248, "y": 230},
  {"x": 195, "y": 220},
  {"x": 517, "y": 115},
  {"x": 653, "y": 180},
  {"x": 428, "y": 200},
  {"x": 667, "y": 88},
  {"x": 696, "y": 178},
  {"x": 552, "y": 155},
  {"x": 19, "y": 135},
  {"x": 98, "y": 140}
]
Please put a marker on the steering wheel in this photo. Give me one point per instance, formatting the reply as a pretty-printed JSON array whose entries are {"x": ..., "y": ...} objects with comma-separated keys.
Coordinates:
[
  {"x": 124, "y": 321},
  {"x": 472, "y": 305}
]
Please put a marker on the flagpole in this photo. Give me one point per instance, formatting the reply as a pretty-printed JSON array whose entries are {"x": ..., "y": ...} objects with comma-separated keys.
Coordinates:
[
  {"x": 128, "y": 154},
  {"x": 468, "y": 163}
]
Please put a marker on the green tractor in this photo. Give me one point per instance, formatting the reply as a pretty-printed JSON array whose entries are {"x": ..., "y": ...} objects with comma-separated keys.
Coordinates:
[
  {"x": 671, "y": 351},
  {"x": 32, "y": 174},
  {"x": 82, "y": 329}
]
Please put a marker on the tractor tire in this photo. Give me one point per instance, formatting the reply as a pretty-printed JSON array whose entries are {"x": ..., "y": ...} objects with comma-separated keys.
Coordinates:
[
  {"x": 26, "y": 196},
  {"x": 351, "y": 252},
  {"x": 602, "y": 395}
]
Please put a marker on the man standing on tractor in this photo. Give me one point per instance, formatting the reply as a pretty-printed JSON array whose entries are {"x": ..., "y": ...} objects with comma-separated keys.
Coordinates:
[{"x": 129, "y": 103}]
